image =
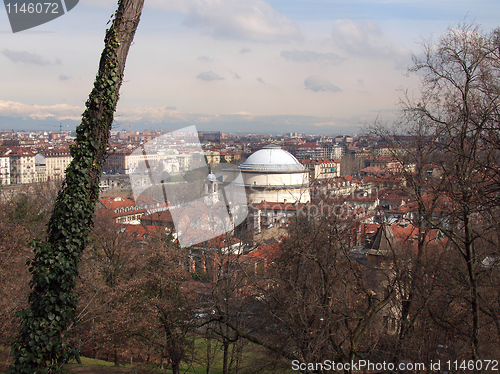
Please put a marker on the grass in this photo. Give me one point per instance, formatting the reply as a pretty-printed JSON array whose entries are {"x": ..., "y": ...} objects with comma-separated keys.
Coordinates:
[
  {"x": 93, "y": 366},
  {"x": 95, "y": 362},
  {"x": 253, "y": 359},
  {"x": 88, "y": 365}
]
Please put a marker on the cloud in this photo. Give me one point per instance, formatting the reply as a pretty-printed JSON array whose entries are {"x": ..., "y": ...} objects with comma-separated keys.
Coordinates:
[
  {"x": 245, "y": 50},
  {"x": 152, "y": 114},
  {"x": 318, "y": 84},
  {"x": 204, "y": 59},
  {"x": 63, "y": 77},
  {"x": 40, "y": 112},
  {"x": 325, "y": 124},
  {"x": 311, "y": 56},
  {"x": 28, "y": 58},
  {"x": 260, "y": 80},
  {"x": 209, "y": 76},
  {"x": 366, "y": 39},
  {"x": 232, "y": 121},
  {"x": 253, "y": 20}
]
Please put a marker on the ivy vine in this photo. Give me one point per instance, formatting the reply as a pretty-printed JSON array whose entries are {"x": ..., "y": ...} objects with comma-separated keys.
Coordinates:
[{"x": 41, "y": 345}]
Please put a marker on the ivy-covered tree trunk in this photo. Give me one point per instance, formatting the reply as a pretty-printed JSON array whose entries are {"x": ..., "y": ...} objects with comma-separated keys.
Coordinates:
[{"x": 41, "y": 346}]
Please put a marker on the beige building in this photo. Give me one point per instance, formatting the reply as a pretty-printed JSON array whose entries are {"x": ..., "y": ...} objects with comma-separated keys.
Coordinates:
[
  {"x": 126, "y": 161},
  {"x": 230, "y": 156},
  {"x": 322, "y": 168},
  {"x": 4, "y": 167},
  {"x": 56, "y": 161},
  {"x": 213, "y": 157},
  {"x": 22, "y": 165},
  {"x": 40, "y": 172}
]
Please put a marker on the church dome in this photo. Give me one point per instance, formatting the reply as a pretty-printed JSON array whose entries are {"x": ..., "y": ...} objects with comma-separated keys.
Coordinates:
[
  {"x": 272, "y": 158},
  {"x": 211, "y": 177}
]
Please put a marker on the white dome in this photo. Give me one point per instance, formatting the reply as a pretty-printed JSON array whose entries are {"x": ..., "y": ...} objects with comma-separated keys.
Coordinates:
[
  {"x": 271, "y": 158},
  {"x": 211, "y": 177}
]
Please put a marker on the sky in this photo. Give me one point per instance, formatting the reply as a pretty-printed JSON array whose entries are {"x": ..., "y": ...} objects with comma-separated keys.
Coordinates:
[{"x": 252, "y": 66}]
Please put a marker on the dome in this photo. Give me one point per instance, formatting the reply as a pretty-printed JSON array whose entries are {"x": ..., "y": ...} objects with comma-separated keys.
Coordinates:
[
  {"x": 271, "y": 158},
  {"x": 211, "y": 177}
]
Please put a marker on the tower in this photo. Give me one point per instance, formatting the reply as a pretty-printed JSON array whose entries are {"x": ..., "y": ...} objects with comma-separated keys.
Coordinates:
[{"x": 211, "y": 189}]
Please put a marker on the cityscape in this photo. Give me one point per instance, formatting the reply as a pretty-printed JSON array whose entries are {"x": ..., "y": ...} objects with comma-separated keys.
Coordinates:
[
  {"x": 267, "y": 187},
  {"x": 41, "y": 156},
  {"x": 380, "y": 205}
]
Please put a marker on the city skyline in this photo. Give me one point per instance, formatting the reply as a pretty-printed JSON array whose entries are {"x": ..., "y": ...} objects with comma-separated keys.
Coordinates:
[{"x": 326, "y": 67}]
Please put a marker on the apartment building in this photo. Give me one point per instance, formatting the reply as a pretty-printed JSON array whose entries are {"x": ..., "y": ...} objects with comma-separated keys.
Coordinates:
[
  {"x": 322, "y": 168},
  {"x": 55, "y": 160},
  {"x": 4, "y": 166},
  {"x": 22, "y": 165},
  {"x": 306, "y": 151},
  {"x": 115, "y": 161}
]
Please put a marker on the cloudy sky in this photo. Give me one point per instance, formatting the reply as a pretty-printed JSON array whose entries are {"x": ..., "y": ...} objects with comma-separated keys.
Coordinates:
[{"x": 314, "y": 66}]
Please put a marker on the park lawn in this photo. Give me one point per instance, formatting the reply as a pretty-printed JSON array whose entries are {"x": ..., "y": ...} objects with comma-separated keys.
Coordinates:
[{"x": 252, "y": 360}]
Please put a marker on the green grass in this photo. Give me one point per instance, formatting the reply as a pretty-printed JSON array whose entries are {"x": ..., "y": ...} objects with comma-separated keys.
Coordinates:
[
  {"x": 95, "y": 366},
  {"x": 253, "y": 359},
  {"x": 95, "y": 362}
]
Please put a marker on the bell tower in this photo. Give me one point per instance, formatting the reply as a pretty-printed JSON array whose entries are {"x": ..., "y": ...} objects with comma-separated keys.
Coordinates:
[{"x": 211, "y": 187}]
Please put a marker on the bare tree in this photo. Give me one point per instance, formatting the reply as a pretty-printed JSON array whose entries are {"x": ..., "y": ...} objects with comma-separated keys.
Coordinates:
[
  {"x": 223, "y": 307},
  {"x": 320, "y": 301},
  {"x": 458, "y": 106},
  {"x": 410, "y": 143},
  {"x": 110, "y": 266},
  {"x": 20, "y": 221},
  {"x": 162, "y": 310}
]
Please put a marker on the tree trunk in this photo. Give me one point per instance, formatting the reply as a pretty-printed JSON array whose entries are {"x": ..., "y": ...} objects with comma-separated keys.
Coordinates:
[
  {"x": 176, "y": 368},
  {"x": 55, "y": 265},
  {"x": 209, "y": 355},
  {"x": 115, "y": 359},
  {"x": 470, "y": 260},
  {"x": 225, "y": 357}
]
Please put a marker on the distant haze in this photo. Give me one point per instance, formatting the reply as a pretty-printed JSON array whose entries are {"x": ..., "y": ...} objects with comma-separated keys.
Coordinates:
[{"x": 326, "y": 67}]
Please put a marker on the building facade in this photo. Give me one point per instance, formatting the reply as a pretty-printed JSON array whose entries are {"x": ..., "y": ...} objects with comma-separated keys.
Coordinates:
[
  {"x": 322, "y": 168},
  {"x": 4, "y": 167},
  {"x": 22, "y": 165},
  {"x": 56, "y": 161}
]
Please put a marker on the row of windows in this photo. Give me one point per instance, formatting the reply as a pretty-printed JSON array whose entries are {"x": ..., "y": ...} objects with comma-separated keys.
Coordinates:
[
  {"x": 128, "y": 209},
  {"x": 129, "y": 218},
  {"x": 137, "y": 207},
  {"x": 132, "y": 208}
]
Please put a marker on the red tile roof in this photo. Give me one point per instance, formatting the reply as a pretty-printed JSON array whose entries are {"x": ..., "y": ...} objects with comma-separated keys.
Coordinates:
[{"x": 268, "y": 252}]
